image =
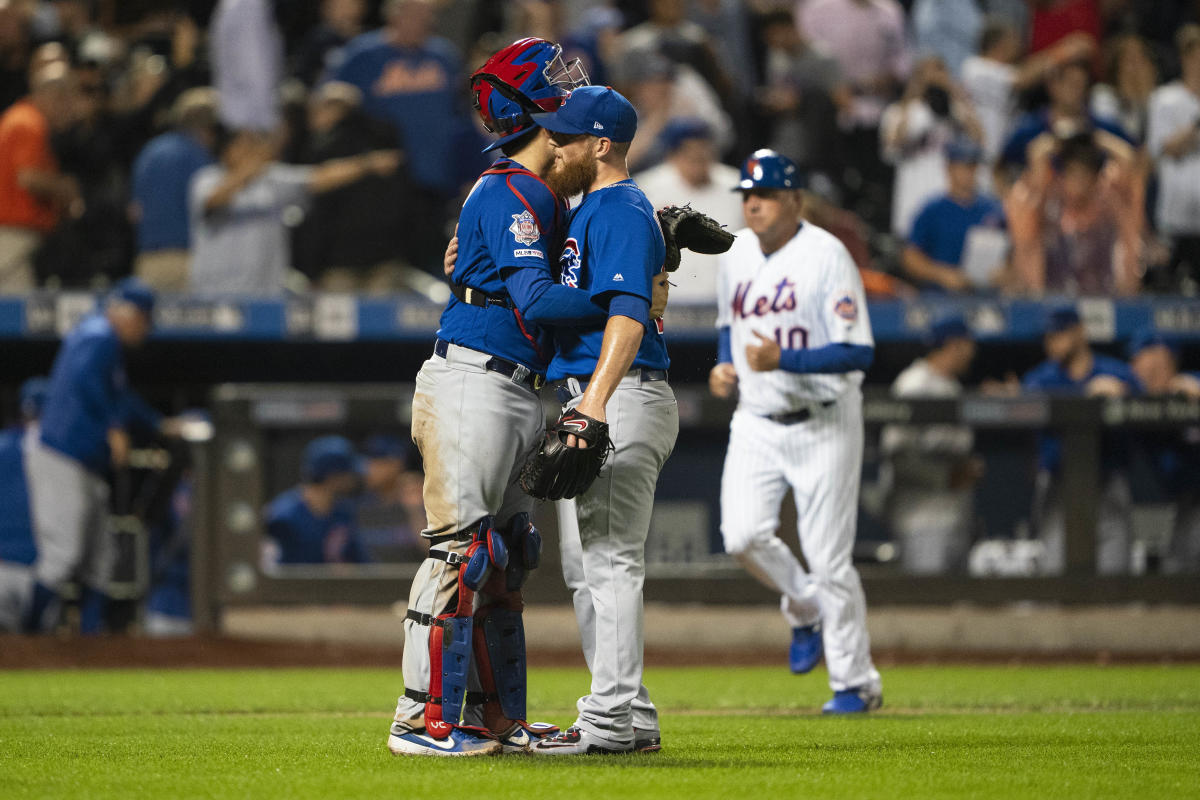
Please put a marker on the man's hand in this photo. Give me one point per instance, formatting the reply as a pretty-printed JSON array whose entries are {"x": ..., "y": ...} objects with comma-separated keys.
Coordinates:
[
  {"x": 658, "y": 299},
  {"x": 118, "y": 446},
  {"x": 722, "y": 380},
  {"x": 1184, "y": 384},
  {"x": 1106, "y": 386},
  {"x": 382, "y": 162},
  {"x": 451, "y": 256},
  {"x": 764, "y": 355}
]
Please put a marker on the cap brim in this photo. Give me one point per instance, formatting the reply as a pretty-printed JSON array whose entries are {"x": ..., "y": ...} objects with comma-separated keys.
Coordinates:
[{"x": 552, "y": 122}]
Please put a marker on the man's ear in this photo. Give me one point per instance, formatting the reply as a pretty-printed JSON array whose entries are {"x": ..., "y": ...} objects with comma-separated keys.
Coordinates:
[{"x": 602, "y": 148}]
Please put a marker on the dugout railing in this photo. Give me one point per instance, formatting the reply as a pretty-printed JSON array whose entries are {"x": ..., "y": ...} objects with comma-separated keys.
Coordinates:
[{"x": 258, "y": 428}]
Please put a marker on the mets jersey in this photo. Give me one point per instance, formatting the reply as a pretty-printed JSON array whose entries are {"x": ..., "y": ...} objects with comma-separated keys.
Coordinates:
[{"x": 807, "y": 294}]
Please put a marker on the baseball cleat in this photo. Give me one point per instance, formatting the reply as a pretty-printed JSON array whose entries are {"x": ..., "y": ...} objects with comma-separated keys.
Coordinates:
[
  {"x": 857, "y": 700},
  {"x": 461, "y": 742},
  {"x": 646, "y": 741},
  {"x": 522, "y": 735},
  {"x": 577, "y": 742},
  {"x": 806, "y": 648}
]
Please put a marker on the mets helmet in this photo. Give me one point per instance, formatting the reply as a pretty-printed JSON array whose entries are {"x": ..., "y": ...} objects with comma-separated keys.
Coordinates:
[
  {"x": 767, "y": 169},
  {"x": 527, "y": 77}
]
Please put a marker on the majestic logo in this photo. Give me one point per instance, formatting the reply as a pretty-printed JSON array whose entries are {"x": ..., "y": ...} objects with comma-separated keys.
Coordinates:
[
  {"x": 524, "y": 228},
  {"x": 846, "y": 308},
  {"x": 569, "y": 262}
]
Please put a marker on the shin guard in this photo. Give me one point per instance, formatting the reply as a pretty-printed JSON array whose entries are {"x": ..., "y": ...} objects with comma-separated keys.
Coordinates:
[{"x": 500, "y": 656}]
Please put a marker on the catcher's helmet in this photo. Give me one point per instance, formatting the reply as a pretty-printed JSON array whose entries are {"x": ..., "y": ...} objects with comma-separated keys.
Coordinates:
[
  {"x": 767, "y": 169},
  {"x": 527, "y": 77}
]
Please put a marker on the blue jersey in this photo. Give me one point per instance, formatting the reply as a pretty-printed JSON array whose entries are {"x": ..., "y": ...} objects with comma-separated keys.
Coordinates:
[
  {"x": 1049, "y": 377},
  {"x": 161, "y": 175},
  {"x": 614, "y": 246},
  {"x": 17, "y": 545},
  {"x": 511, "y": 220},
  {"x": 305, "y": 538},
  {"x": 940, "y": 229}
]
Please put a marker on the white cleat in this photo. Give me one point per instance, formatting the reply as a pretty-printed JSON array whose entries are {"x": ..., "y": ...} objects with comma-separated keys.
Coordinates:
[{"x": 578, "y": 742}]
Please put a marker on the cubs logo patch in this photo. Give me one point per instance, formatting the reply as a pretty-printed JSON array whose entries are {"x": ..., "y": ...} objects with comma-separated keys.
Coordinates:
[
  {"x": 524, "y": 228},
  {"x": 846, "y": 308},
  {"x": 569, "y": 262}
]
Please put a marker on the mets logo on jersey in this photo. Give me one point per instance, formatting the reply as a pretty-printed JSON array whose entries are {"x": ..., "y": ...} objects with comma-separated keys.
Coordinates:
[
  {"x": 524, "y": 228},
  {"x": 568, "y": 263},
  {"x": 846, "y": 308}
]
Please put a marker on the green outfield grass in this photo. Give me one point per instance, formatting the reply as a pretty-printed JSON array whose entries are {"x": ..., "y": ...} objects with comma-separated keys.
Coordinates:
[{"x": 734, "y": 734}]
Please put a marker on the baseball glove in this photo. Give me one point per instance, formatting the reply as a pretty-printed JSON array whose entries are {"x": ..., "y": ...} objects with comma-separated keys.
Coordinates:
[
  {"x": 685, "y": 227},
  {"x": 559, "y": 472}
]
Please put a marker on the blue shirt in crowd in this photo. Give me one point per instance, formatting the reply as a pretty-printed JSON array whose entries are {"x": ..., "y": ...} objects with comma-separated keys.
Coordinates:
[
  {"x": 17, "y": 545},
  {"x": 1049, "y": 377},
  {"x": 305, "y": 538},
  {"x": 161, "y": 174},
  {"x": 940, "y": 229},
  {"x": 614, "y": 248},
  {"x": 89, "y": 394}
]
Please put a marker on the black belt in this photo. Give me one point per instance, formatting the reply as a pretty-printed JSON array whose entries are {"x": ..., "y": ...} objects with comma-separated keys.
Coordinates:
[
  {"x": 514, "y": 372},
  {"x": 792, "y": 417},
  {"x": 479, "y": 298},
  {"x": 646, "y": 375}
]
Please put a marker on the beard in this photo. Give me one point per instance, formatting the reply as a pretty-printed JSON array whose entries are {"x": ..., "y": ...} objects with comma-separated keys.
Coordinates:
[{"x": 569, "y": 178}]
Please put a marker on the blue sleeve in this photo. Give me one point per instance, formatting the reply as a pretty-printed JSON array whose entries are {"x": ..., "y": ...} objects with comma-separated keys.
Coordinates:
[
  {"x": 1038, "y": 378},
  {"x": 544, "y": 302},
  {"x": 724, "y": 346},
  {"x": 828, "y": 360},
  {"x": 98, "y": 382},
  {"x": 922, "y": 230},
  {"x": 529, "y": 212},
  {"x": 628, "y": 305},
  {"x": 137, "y": 413},
  {"x": 624, "y": 249}
]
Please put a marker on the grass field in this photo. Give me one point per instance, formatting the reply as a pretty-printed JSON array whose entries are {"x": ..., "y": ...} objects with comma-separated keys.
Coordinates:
[{"x": 733, "y": 733}]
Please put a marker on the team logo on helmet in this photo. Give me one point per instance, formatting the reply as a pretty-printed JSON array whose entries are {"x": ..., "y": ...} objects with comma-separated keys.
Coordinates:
[{"x": 524, "y": 228}]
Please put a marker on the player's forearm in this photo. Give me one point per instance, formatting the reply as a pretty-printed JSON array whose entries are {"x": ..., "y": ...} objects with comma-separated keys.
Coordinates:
[
  {"x": 544, "y": 302},
  {"x": 923, "y": 268},
  {"x": 828, "y": 360},
  {"x": 622, "y": 338}
]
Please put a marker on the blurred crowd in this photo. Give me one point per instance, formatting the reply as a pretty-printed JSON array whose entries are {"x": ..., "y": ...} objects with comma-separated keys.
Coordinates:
[{"x": 1026, "y": 147}]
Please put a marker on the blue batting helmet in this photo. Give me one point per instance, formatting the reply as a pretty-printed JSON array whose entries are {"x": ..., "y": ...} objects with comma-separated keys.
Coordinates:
[
  {"x": 525, "y": 78},
  {"x": 326, "y": 456},
  {"x": 767, "y": 169}
]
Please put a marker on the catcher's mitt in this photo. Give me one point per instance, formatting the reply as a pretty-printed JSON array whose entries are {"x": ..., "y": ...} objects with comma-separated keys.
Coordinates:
[
  {"x": 685, "y": 227},
  {"x": 559, "y": 472}
]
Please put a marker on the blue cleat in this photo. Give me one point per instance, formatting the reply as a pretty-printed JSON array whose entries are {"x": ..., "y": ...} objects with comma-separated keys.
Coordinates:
[
  {"x": 858, "y": 700},
  {"x": 806, "y": 649},
  {"x": 460, "y": 742}
]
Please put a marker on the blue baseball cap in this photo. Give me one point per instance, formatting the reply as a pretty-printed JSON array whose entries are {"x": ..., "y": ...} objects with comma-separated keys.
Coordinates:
[
  {"x": 964, "y": 150},
  {"x": 682, "y": 129},
  {"x": 599, "y": 111},
  {"x": 133, "y": 291},
  {"x": 385, "y": 445},
  {"x": 329, "y": 455},
  {"x": 33, "y": 396},
  {"x": 768, "y": 169},
  {"x": 1149, "y": 337},
  {"x": 1061, "y": 318},
  {"x": 947, "y": 328}
]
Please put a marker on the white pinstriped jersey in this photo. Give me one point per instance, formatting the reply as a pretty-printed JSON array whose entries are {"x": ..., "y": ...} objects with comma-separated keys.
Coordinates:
[{"x": 807, "y": 294}]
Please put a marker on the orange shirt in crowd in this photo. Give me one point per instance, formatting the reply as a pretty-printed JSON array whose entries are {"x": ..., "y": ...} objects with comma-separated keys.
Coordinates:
[{"x": 24, "y": 144}]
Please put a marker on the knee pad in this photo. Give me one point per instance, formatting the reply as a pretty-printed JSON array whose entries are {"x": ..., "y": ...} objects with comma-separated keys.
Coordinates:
[
  {"x": 486, "y": 553},
  {"x": 525, "y": 549},
  {"x": 499, "y": 641}
]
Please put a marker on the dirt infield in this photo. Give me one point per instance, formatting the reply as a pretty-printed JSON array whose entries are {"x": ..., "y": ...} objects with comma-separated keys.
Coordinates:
[{"x": 111, "y": 652}]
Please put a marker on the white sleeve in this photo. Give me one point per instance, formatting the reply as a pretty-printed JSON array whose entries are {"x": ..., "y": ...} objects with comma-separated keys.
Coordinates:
[
  {"x": 1165, "y": 120},
  {"x": 847, "y": 320}
]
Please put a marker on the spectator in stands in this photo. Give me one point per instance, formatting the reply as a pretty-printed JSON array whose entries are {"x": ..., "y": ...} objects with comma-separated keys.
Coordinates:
[
  {"x": 1077, "y": 217},
  {"x": 162, "y": 173},
  {"x": 867, "y": 38},
  {"x": 1071, "y": 368},
  {"x": 391, "y": 513},
  {"x": 34, "y": 194},
  {"x": 1054, "y": 20},
  {"x": 930, "y": 469},
  {"x": 661, "y": 91},
  {"x": 948, "y": 29},
  {"x": 1174, "y": 453},
  {"x": 351, "y": 239},
  {"x": 1129, "y": 78},
  {"x": 414, "y": 80},
  {"x": 1174, "y": 144},
  {"x": 914, "y": 133},
  {"x": 89, "y": 407},
  {"x": 595, "y": 41},
  {"x": 18, "y": 548},
  {"x": 800, "y": 98},
  {"x": 239, "y": 211},
  {"x": 692, "y": 174},
  {"x": 669, "y": 32},
  {"x": 313, "y": 523},
  {"x": 341, "y": 21},
  {"x": 247, "y": 62},
  {"x": 957, "y": 238}
]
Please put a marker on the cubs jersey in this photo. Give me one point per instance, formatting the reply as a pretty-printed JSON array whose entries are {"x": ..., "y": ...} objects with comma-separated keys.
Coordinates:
[
  {"x": 614, "y": 246},
  {"x": 508, "y": 221},
  {"x": 807, "y": 294}
]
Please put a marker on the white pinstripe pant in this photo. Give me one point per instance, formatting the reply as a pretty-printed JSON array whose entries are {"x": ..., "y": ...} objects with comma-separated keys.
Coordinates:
[{"x": 821, "y": 460}]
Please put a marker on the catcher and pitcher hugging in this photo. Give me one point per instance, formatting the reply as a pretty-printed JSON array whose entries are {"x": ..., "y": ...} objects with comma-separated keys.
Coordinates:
[{"x": 546, "y": 292}]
